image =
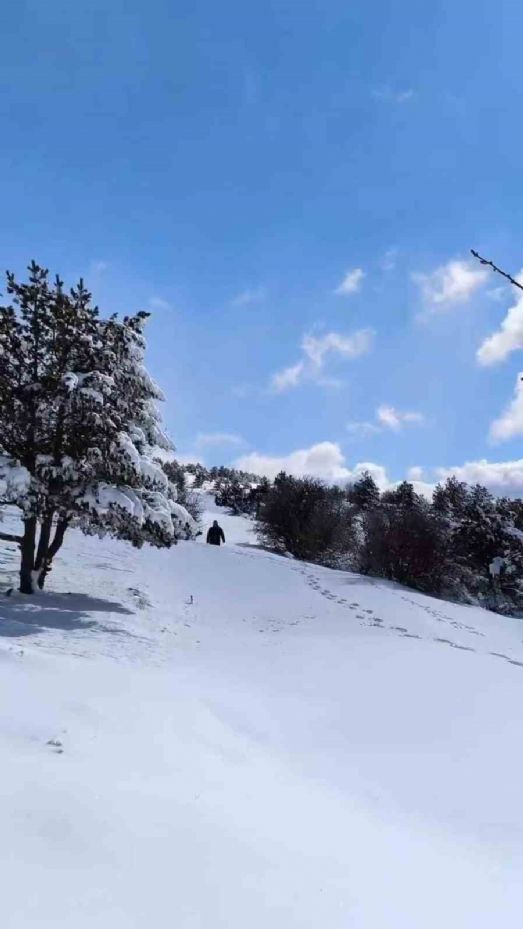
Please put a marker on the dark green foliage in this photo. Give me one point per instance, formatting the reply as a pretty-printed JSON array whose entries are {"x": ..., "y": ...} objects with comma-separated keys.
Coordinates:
[
  {"x": 404, "y": 541},
  {"x": 307, "y": 519},
  {"x": 446, "y": 547},
  {"x": 364, "y": 493},
  {"x": 78, "y": 417}
]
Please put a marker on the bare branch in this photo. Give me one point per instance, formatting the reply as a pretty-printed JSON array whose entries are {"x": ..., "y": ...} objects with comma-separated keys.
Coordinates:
[
  {"x": 485, "y": 261},
  {"x": 6, "y": 537}
]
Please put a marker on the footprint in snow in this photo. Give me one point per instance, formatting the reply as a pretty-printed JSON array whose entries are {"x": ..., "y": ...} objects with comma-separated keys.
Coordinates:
[
  {"x": 462, "y": 648},
  {"x": 507, "y": 658}
]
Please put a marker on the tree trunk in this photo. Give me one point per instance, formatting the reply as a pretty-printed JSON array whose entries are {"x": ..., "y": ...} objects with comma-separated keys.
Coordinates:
[
  {"x": 51, "y": 550},
  {"x": 43, "y": 542},
  {"x": 28, "y": 554}
]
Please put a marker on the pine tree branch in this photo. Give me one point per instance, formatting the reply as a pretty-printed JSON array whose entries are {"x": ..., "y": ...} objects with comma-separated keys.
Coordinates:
[
  {"x": 7, "y": 537},
  {"x": 485, "y": 261}
]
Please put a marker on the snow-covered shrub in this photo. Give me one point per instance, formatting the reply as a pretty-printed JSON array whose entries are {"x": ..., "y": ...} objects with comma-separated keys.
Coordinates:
[
  {"x": 190, "y": 500},
  {"x": 79, "y": 425}
]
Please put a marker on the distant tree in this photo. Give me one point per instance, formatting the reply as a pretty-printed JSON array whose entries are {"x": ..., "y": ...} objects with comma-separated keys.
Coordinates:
[
  {"x": 451, "y": 498},
  {"x": 405, "y": 542},
  {"x": 364, "y": 493},
  {"x": 185, "y": 496},
  {"x": 403, "y": 495},
  {"x": 304, "y": 517}
]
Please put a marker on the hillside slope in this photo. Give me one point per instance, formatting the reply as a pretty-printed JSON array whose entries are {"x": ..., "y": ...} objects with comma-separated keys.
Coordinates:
[{"x": 220, "y": 738}]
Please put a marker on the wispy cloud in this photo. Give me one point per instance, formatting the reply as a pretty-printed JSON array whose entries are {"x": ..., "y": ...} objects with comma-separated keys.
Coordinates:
[
  {"x": 452, "y": 283},
  {"x": 510, "y": 423},
  {"x": 95, "y": 273},
  {"x": 389, "y": 259},
  {"x": 388, "y": 95},
  {"x": 348, "y": 346},
  {"x": 394, "y": 419},
  {"x": 158, "y": 303},
  {"x": 248, "y": 297},
  {"x": 288, "y": 377},
  {"x": 351, "y": 283},
  {"x": 218, "y": 438},
  {"x": 509, "y": 336},
  {"x": 386, "y": 417},
  {"x": 98, "y": 267},
  {"x": 316, "y": 349},
  {"x": 362, "y": 428}
]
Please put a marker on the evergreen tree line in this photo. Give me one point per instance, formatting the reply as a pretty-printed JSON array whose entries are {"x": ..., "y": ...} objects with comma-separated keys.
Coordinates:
[
  {"x": 465, "y": 544},
  {"x": 240, "y": 491}
]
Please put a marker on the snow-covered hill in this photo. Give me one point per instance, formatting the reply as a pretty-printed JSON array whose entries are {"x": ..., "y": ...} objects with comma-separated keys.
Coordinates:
[{"x": 209, "y": 738}]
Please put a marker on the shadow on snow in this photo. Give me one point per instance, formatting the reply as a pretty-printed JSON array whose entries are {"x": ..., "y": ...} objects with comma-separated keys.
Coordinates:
[{"x": 27, "y": 615}]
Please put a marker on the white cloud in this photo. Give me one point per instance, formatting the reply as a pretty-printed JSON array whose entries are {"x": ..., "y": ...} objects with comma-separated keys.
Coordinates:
[
  {"x": 327, "y": 461},
  {"x": 394, "y": 419},
  {"x": 501, "y": 477},
  {"x": 219, "y": 438},
  {"x": 351, "y": 283},
  {"x": 288, "y": 377},
  {"x": 316, "y": 350},
  {"x": 324, "y": 460},
  {"x": 507, "y": 339},
  {"x": 510, "y": 423},
  {"x": 386, "y": 417},
  {"x": 497, "y": 293},
  {"x": 248, "y": 297},
  {"x": 348, "y": 346},
  {"x": 450, "y": 284}
]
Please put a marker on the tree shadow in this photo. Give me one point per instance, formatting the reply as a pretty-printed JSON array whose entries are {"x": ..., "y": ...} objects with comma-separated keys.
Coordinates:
[{"x": 71, "y": 612}]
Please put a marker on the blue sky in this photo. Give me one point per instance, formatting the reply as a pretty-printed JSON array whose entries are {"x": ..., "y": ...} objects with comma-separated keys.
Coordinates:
[{"x": 229, "y": 165}]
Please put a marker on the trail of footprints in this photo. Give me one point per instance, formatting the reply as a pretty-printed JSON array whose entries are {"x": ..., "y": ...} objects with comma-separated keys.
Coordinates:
[{"x": 369, "y": 618}]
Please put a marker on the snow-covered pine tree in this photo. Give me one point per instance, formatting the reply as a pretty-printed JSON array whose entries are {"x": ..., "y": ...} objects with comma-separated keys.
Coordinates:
[{"x": 79, "y": 425}]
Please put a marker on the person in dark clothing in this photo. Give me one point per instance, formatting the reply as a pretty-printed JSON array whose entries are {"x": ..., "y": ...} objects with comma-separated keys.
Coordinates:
[{"x": 215, "y": 534}]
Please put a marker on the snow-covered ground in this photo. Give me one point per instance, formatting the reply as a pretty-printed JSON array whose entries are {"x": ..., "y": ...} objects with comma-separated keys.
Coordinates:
[{"x": 209, "y": 738}]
